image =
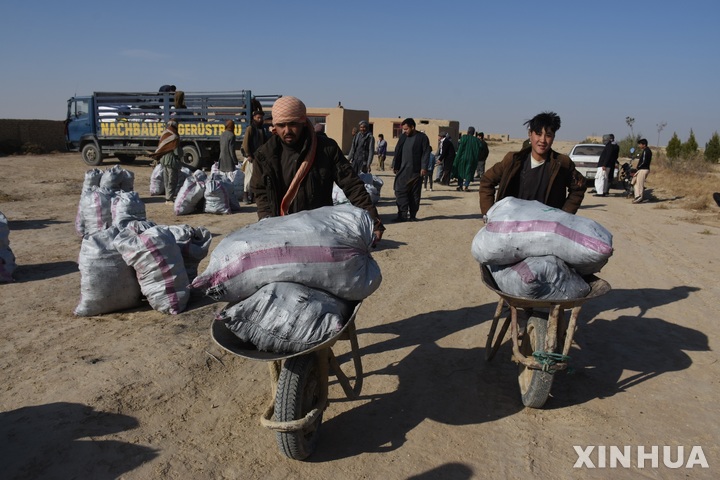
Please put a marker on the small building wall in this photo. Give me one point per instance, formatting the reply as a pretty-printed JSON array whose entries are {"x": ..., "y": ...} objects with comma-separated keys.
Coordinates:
[
  {"x": 339, "y": 123},
  {"x": 16, "y": 135}
]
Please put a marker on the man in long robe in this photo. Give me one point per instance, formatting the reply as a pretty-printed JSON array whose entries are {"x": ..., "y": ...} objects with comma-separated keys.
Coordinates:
[{"x": 412, "y": 154}]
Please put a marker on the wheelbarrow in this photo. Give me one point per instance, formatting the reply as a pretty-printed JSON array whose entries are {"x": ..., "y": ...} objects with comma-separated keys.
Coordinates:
[
  {"x": 299, "y": 384},
  {"x": 544, "y": 347}
]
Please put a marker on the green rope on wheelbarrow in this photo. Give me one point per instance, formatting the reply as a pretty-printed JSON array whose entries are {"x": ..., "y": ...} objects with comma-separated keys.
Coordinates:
[{"x": 548, "y": 359}]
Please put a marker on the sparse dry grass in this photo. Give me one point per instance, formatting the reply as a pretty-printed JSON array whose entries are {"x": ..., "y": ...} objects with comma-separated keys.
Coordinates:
[{"x": 690, "y": 183}]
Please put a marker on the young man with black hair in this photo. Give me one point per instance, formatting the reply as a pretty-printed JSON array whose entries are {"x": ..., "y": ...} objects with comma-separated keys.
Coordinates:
[{"x": 536, "y": 172}]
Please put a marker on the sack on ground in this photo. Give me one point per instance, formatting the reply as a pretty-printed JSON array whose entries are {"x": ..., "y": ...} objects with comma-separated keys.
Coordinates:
[
  {"x": 92, "y": 179},
  {"x": 189, "y": 196},
  {"x": 94, "y": 213},
  {"x": 518, "y": 229},
  {"x": 125, "y": 207},
  {"x": 194, "y": 243},
  {"x": 157, "y": 180},
  {"x": 158, "y": 265},
  {"x": 217, "y": 196},
  {"x": 327, "y": 248},
  {"x": 117, "y": 178},
  {"x": 546, "y": 278},
  {"x": 7, "y": 258},
  {"x": 286, "y": 317},
  {"x": 107, "y": 283}
]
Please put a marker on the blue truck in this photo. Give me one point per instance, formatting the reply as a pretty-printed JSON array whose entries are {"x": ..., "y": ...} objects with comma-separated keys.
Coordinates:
[{"x": 128, "y": 125}]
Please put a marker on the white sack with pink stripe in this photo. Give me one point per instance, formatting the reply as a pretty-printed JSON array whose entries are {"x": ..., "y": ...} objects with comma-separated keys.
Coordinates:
[{"x": 327, "y": 248}]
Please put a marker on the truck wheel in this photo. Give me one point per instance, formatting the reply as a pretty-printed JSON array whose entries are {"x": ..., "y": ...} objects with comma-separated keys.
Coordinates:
[
  {"x": 125, "y": 158},
  {"x": 191, "y": 157},
  {"x": 91, "y": 155}
]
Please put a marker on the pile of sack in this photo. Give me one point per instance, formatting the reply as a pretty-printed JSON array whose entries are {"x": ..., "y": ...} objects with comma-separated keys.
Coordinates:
[
  {"x": 539, "y": 252},
  {"x": 7, "y": 258},
  {"x": 373, "y": 185},
  {"x": 293, "y": 281},
  {"x": 218, "y": 193},
  {"x": 124, "y": 257}
]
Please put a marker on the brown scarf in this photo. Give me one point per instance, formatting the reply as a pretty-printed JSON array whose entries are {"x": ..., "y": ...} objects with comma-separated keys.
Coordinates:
[
  {"x": 168, "y": 141},
  {"x": 302, "y": 172}
]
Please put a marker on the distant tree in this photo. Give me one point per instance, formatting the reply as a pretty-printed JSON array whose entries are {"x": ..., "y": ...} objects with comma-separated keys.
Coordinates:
[
  {"x": 660, "y": 127},
  {"x": 630, "y": 121},
  {"x": 690, "y": 147},
  {"x": 627, "y": 143},
  {"x": 674, "y": 147},
  {"x": 712, "y": 149}
]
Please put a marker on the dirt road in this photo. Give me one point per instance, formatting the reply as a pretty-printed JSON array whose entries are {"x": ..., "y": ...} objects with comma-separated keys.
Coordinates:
[{"x": 142, "y": 395}]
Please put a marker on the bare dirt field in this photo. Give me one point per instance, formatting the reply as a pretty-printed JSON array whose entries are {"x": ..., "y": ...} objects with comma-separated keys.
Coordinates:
[{"x": 143, "y": 395}]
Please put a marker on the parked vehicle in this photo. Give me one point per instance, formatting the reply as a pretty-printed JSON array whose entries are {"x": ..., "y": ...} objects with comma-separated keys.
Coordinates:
[
  {"x": 129, "y": 125},
  {"x": 586, "y": 156}
]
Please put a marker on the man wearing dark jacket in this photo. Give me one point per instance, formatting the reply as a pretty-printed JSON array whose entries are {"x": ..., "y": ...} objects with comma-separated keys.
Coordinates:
[
  {"x": 295, "y": 169},
  {"x": 606, "y": 166},
  {"x": 535, "y": 173},
  {"x": 446, "y": 158},
  {"x": 412, "y": 154}
]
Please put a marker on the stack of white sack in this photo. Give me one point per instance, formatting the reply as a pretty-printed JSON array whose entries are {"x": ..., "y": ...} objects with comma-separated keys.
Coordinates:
[
  {"x": 373, "y": 185},
  {"x": 110, "y": 282},
  {"x": 286, "y": 318},
  {"x": 327, "y": 248},
  {"x": 7, "y": 258},
  {"x": 157, "y": 179},
  {"x": 521, "y": 229},
  {"x": 236, "y": 178}
]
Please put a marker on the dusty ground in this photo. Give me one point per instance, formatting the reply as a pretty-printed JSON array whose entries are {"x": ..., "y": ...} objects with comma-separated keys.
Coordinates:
[{"x": 140, "y": 395}]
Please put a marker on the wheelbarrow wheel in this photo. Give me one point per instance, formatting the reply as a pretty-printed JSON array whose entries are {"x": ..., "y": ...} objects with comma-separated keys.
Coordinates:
[
  {"x": 534, "y": 384},
  {"x": 298, "y": 392}
]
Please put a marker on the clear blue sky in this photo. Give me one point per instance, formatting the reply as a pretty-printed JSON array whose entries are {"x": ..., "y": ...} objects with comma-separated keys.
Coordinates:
[{"x": 491, "y": 65}]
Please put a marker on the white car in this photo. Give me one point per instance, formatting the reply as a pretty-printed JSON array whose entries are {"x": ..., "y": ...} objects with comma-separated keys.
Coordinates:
[{"x": 586, "y": 156}]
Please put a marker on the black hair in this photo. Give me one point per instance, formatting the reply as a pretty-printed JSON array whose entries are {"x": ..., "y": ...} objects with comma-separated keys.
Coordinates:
[
  {"x": 642, "y": 141},
  {"x": 550, "y": 121},
  {"x": 381, "y": 135},
  {"x": 409, "y": 122}
]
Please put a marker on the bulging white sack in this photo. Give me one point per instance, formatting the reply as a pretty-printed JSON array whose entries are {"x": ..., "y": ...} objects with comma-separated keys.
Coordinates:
[
  {"x": 158, "y": 265},
  {"x": 107, "y": 283},
  {"x": 217, "y": 195},
  {"x": 546, "y": 278},
  {"x": 518, "y": 229},
  {"x": 338, "y": 196},
  {"x": 92, "y": 179},
  {"x": 125, "y": 207},
  {"x": 189, "y": 196},
  {"x": 327, "y": 248},
  {"x": 286, "y": 317},
  {"x": 94, "y": 212},
  {"x": 157, "y": 180},
  {"x": 194, "y": 243},
  {"x": 117, "y": 178}
]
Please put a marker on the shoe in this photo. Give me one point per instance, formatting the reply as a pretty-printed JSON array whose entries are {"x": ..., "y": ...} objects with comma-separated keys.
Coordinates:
[
  {"x": 169, "y": 202},
  {"x": 425, "y": 188},
  {"x": 637, "y": 200},
  {"x": 600, "y": 195},
  {"x": 466, "y": 189},
  {"x": 716, "y": 197},
  {"x": 459, "y": 189},
  {"x": 400, "y": 218},
  {"x": 431, "y": 189}
]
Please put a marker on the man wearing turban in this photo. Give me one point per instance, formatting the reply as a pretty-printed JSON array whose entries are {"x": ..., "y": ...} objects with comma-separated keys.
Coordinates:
[{"x": 296, "y": 168}]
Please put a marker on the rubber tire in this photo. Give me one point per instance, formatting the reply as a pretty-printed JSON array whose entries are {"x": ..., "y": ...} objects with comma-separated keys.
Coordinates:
[
  {"x": 125, "y": 158},
  {"x": 191, "y": 157},
  {"x": 535, "y": 385},
  {"x": 91, "y": 155},
  {"x": 298, "y": 392}
]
